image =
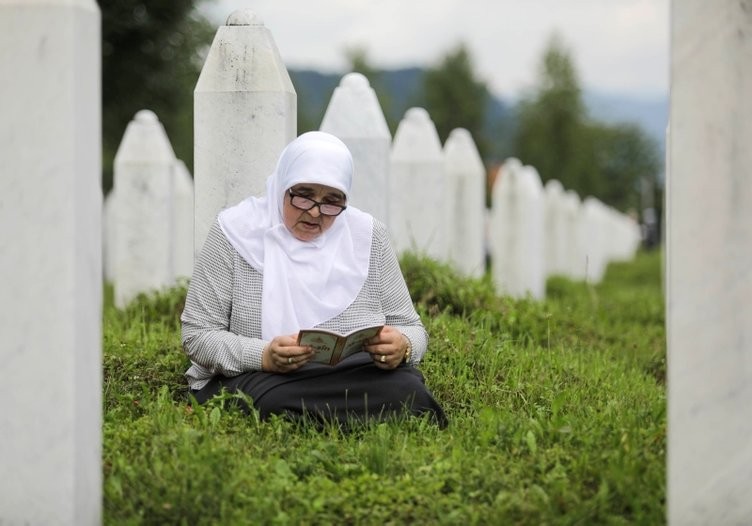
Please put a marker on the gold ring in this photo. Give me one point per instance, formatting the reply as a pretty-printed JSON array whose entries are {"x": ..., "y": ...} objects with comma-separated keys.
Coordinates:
[
  {"x": 289, "y": 360},
  {"x": 383, "y": 358}
]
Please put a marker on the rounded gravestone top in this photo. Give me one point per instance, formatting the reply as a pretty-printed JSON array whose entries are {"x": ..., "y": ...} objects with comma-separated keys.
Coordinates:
[
  {"x": 244, "y": 17},
  {"x": 460, "y": 134},
  {"x": 146, "y": 117},
  {"x": 512, "y": 163},
  {"x": 417, "y": 115},
  {"x": 572, "y": 197},
  {"x": 355, "y": 81},
  {"x": 554, "y": 185}
]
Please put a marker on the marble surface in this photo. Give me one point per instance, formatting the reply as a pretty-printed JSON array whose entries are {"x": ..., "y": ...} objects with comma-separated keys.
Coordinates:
[
  {"x": 516, "y": 231},
  {"x": 245, "y": 113},
  {"x": 466, "y": 180},
  {"x": 593, "y": 239},
  {"x": 417, "y": 187},
  {"x": 143, "y": 222},
  {"x": 556, "y": 227},
  {"x": 709, "y": 264},
  {"x": 50, "y": 256},
  {"x": 571, "y": 203},
  {"x": 182, "y": 221},
  {"x": 355, "y": 116}
]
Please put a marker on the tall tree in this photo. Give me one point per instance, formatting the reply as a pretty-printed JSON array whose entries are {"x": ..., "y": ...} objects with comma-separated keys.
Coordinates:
[
  {"x": 556, "y": 136},
  {"x": 152, "y": 54},
  {"x": 628, "y": 161},
  {"x": 552, "y": 134},
  {"x": 357, "y": 56},
  {"x": 360, "y": 62},
  {"x": 456, "y": 97}
]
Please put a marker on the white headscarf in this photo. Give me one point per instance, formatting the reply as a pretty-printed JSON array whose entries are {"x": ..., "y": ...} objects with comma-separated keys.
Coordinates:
[{"x": 305, "y": 282}]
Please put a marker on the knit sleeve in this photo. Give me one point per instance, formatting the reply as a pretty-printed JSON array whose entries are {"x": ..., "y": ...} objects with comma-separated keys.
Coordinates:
[
  {"x": 206, "y": 335},
  {"x": 395, "y": 297}
]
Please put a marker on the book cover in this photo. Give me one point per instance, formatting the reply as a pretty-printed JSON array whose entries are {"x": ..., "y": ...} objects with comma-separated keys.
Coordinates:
[{"x": 332, "y": 347}]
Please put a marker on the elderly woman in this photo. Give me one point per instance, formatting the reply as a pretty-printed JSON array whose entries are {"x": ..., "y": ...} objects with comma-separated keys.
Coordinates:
[{"x": 300, "y": 258}]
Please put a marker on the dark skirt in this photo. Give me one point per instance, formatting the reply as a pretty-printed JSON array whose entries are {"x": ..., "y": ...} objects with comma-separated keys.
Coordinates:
[{"x": 353, "y": 390}]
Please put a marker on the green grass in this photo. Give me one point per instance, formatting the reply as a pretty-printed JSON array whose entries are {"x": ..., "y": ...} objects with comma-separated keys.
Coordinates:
[{"x": 557, "y": 413}]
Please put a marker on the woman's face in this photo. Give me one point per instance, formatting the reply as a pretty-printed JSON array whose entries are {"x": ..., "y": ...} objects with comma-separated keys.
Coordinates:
[{"x": 307, "y": 225}]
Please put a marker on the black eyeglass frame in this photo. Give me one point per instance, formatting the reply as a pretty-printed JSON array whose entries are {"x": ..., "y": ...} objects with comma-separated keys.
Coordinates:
[{"x": 315, "y": 204}]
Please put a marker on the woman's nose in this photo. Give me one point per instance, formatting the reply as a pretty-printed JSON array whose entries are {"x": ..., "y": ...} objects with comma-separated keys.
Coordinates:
[{"x": 318, "y": 210}]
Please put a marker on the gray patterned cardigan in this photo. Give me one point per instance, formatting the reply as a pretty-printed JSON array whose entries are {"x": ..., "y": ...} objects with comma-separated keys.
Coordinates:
[{"x": 221, "y": 322}]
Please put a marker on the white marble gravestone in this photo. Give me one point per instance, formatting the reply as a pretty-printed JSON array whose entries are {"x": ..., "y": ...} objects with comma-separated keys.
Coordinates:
[
  {"x": 556, "y": 236},
  {"x": 624, "y": 236},
  {"x": 593, "y": 239},
  {"x": 709, "y": 264},
  {"x": 516, "y": 231},
  {"x": 110, "y": 218},
  {"x": 466, "y": 192},
  {"x": 245, "y": 113},
  {"x": 575, "y": 267},
  {"x": 418, "y": 209},
  {"x": 534, "y": 271},
  {"x": 144, "y": 231},
  {"x": 355, "y": 116},
  {"x": 51, "y": 262},
  {"x": 182, "y": 221}
]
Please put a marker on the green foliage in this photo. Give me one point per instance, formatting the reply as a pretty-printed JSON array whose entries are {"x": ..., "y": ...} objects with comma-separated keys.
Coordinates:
[
  {"x": 557, "y": 416},
  {"x": 627, "y": 158},
  {"x": 552, "y": 132},
  {"x": 556, "y": 136},
  {"x": 152, "y": 54},
  {"x": 456, "y": 98}
]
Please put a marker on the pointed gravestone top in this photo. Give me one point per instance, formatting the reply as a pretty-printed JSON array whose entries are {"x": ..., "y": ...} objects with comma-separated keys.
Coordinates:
[
  {"x": 244, "y": 17},
  {"x": 532, "y": 180},
  {"x": 146, "y": 117},
  {"x": 461, "y": 154},
  {"x": 354, "y": 111},
  {"x": 243, "y": 58},
  {"x": 416, "y": 138},
  {"x": 355, "y": 82},
  {"x": 145, "y": 140},
  {"x": 554, "y": 187}
]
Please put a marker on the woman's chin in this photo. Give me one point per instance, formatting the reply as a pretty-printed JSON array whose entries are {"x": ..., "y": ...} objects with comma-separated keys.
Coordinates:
[{"x": 306, "y": 232}]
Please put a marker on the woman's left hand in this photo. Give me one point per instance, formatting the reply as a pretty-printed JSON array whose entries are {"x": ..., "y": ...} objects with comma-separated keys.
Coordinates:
[{"x": 387, "y": 348}]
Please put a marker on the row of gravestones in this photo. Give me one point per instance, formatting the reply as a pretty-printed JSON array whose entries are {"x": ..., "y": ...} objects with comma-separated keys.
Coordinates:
[
  {"x": 431, "y": 198},
  {"x": 50, "y": 250}
]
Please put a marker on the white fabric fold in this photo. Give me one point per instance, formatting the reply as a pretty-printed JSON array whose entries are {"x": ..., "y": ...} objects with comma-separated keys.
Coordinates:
[{"x": 305, "y": 282}]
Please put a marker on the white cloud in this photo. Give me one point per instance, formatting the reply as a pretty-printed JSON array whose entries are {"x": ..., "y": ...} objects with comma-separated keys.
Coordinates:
[{"x": 617, "y": 45}]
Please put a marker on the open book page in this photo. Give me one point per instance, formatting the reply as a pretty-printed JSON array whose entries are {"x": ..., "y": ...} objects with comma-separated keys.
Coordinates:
[{"x": 332, "y": 347}]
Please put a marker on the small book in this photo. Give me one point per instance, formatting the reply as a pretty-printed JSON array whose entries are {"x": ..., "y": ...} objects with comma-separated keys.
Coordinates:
[{"x": 332, "y": 347}]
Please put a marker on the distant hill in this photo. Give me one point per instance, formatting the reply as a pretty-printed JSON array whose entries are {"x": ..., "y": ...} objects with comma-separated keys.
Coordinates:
[
  {"x": 400, "y": 89},
  {"x": 651, "y": 114}
]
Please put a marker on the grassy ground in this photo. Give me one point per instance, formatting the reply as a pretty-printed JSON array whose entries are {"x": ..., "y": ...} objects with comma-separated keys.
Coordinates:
[{"x": 557, "y": 409}]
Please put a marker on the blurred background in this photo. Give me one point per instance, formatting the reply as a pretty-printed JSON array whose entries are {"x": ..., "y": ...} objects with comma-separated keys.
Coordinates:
[{"x": 577, "y": 88}]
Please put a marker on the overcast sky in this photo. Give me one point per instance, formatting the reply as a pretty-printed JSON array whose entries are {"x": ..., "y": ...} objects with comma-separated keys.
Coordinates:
[{"x": 618, "y": 46}]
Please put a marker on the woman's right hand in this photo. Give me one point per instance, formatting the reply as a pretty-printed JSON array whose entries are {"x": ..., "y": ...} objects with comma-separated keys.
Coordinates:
[{"x": 283, "y": 355}]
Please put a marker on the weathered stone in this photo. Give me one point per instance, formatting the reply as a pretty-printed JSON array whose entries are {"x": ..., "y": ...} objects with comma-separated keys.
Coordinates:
[
  {"x": 466, "y": 203},
  {"x": 144, "y": 233},
  {"x": 51, "y": 262},
  {"x": 516, "y": 231},
  {"x": 182, "y": 221},
  {"x": 709, "y": 264},
  {"x": 355, "y": 116},
  {"x": 417, "y": 187},
  {"x": 245, "y": 113}
]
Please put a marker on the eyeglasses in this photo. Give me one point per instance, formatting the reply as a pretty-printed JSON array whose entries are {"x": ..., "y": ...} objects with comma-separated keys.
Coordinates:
[{"x": 304, "y": 203}]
